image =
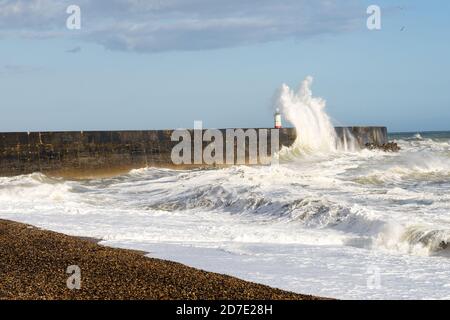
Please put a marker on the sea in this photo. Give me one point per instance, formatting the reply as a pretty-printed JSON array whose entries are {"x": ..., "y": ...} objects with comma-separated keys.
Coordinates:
[{"x": 328, "y": 220}]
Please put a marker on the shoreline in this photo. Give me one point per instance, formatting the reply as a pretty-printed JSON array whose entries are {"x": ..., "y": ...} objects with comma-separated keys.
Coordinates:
[{"x": 33, "y": 264}]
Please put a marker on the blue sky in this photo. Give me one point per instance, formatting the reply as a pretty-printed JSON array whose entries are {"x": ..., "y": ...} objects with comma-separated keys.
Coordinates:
[{"x": 163, "y": 64}]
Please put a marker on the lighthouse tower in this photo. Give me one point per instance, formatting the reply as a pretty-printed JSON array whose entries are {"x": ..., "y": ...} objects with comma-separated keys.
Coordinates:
[{"x": 278, "y": 119}]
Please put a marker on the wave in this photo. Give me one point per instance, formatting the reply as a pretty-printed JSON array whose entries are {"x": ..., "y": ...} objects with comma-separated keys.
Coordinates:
[
  {"x": 404, "y": 168},
  {"x": 367, "y": 198},
  {"x": 435, "y": 240},
  {"x": 414, "y": 239},
  {"x": 36, "y": 186},
  {"x": 315, "y": 132}
]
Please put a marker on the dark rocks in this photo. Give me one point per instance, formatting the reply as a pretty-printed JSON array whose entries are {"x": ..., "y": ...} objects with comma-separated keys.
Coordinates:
[{"x": 387, "y": 147}]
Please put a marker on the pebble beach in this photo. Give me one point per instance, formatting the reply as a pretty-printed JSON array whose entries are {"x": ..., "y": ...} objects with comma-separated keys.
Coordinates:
[{"x": 33, "y": 265}]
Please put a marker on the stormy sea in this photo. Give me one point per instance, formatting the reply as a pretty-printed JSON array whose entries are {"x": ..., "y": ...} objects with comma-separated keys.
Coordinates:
[{"x": 330, "y": 219}]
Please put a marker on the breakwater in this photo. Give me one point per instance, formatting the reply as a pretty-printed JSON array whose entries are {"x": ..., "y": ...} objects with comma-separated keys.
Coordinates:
[{"x": 87, "y": 153}]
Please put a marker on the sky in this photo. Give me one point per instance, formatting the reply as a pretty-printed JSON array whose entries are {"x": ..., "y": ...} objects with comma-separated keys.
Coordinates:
[{"x": 161, "y": 64}]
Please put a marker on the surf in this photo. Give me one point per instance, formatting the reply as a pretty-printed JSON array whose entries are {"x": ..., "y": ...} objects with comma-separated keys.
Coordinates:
[{"x": 315, "y": 132}]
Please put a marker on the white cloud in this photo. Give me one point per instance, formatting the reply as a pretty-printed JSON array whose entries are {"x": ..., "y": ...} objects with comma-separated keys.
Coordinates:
[
  {"x": 163, "y": 25},
  {"x": 13, "y": 69},
  {"x": 33, "y": 15}
]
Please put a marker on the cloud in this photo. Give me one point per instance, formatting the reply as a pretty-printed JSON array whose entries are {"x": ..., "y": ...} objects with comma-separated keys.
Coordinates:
[
  {"x": 12, "y": 69},
  {"x": 168, "y": 25},
  {"x": 31, "y": 15},
  {"x": 74, "y": 50}
]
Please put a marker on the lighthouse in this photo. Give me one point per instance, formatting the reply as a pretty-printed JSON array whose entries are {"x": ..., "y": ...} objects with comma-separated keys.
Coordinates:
[{"x": 277, "y": 119}]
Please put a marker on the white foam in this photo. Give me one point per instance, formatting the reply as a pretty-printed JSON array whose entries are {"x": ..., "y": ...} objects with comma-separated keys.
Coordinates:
[
  {"x": 313, "y": 225},
  {"x": 315, "y": 132}
]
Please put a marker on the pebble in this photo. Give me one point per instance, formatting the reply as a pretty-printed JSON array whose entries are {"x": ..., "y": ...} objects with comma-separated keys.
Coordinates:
[{"x": 33, "y": 265}]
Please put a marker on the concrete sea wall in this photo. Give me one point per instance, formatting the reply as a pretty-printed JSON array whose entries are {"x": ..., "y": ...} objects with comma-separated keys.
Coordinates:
[{"x": 88, "y": 153}]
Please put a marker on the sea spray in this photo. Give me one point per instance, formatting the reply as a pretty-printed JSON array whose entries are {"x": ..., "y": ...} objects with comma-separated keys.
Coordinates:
[{"x": 315, "y": 132}]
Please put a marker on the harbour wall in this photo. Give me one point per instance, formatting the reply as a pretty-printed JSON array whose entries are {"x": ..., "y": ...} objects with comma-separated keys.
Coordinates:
[{"x": 80, "y": 154}]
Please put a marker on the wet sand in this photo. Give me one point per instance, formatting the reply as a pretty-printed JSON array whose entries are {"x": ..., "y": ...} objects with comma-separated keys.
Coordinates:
[{"x": 33, "y": 264}]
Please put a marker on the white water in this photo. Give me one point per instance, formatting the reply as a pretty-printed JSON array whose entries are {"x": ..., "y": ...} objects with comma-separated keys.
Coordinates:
[
  {"x": 320, "y": 223},
  {"x": 315, "y": 132}
]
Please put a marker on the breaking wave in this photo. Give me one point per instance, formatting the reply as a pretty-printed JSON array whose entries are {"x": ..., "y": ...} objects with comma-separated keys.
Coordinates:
[{"x": 315, "y": 131}]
